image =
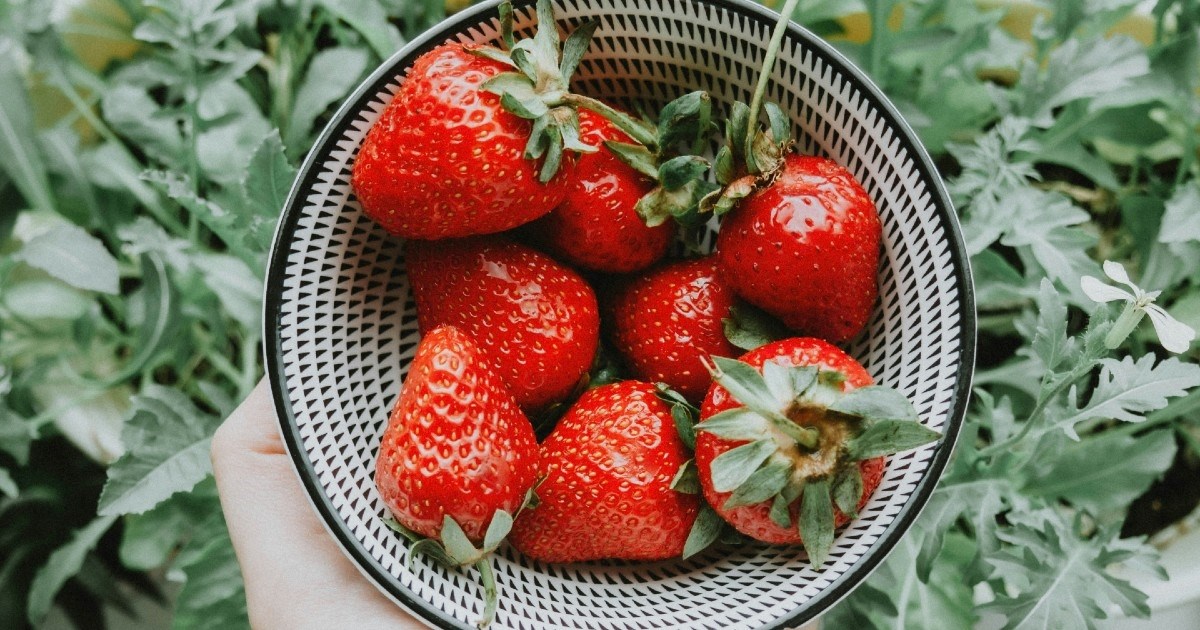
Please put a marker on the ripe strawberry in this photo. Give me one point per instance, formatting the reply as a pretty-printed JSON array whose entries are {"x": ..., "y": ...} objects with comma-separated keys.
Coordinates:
[
  {"x": 456, "y": 444},
  {"x": 791, "y": 441},
  {"x": 535, "y": 319},
  {"x": 608, "y": 468},
  {"x": 455, "y": 152},
  {"x": 446, "y": 160},
  {"x": 597, "y": 225},
  {"x": 666, "y": 321},
  {"x": 805, "y": 248}
]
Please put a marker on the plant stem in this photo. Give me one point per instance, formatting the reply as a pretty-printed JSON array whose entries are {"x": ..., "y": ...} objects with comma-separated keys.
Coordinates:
[
  {"x": 764, "y": 75},
  {"x": 490, "y": 598},
  {"x": 1126, "y": 322},
  {"x": 1038, "y": 410}
]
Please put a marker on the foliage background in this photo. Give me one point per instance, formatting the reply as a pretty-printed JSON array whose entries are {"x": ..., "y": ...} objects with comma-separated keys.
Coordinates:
[{"x": 148, "y": 147}]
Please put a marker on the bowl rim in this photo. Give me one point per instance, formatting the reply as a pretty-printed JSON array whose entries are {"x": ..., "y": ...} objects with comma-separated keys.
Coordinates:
[{"x": 445, "y": 30}]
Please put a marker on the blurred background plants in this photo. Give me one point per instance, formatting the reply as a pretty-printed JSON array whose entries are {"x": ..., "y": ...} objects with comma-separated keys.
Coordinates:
[{"x": 148, "y": 146}]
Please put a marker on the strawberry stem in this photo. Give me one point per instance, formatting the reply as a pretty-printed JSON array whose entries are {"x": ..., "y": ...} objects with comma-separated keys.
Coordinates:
[
  {"x": 764, "y": 77},
  {"x": 807, "y": 437},
  {"x": 490, "y": 597}
]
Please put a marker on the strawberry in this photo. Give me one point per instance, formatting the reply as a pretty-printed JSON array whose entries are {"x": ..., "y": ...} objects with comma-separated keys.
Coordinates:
[
  {"x": 667, "y": 320},
  {"x": 456, "y": 151},
  {"x": 535, "y": 319},
  {"x": 597, "y": 226},
  {"x": 801, "y": 240},
  {"x": 805, "y": 248},
  {"x": 792, "y": 438},
  {"x": 446, "y": 160},
  {"x": 608, "y": 468},
  {"x": 458, "y": 458},
  {"x": 456, "y": 443}
]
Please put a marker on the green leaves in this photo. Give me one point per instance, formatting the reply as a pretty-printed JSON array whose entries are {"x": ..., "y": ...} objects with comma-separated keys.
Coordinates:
[
  {"x": 23, "y": 163},
  {"x": 747, "y": 386},
  {"x": 330, "y": 76},
  {"x": 761, "y": 485},
  {"x": 1079, "y": 69},
  {"x": 876, "y": 402},
  {"x": 64, "y": 563},
  {"x": 1060, "y": 579},
  {"x": 1128, "y": 389},
  {"x": 739, "y": 423},
  {"x": 73, "y": 256},
  {"x": 1085, "y": 474},
  {"x": 167, "y": 441}
]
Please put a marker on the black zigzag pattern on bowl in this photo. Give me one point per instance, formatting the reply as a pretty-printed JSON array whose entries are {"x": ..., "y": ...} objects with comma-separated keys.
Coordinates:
[{"x": 341, "y": 326}]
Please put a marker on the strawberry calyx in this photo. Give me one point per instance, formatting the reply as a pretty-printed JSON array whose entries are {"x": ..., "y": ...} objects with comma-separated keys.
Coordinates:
[
  {"x": 801, "y": 438},
  {"x": 752, "y": 156},
  {"x": 538, "y": 87},
  {"x": 708, "y": 527},
  {"x": 456, "y": 551},
  {"x": 680, "y": 175}
]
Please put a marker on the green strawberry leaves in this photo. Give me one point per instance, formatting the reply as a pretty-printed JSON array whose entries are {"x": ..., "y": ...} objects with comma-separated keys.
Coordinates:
[
  {"x": 705, "y": 531},
  {"x": 889, "y": 436},
  {"x": 816, "y": 521},
  {"x": 762, "y": 484},
  {"x": 749, "y": 327},
  {"x": 847, "y": 490},
  {"x": 687, "y": 478}
]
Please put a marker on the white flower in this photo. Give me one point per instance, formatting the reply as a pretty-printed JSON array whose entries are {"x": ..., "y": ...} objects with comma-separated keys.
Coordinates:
[{"x": 1173, "y": 334}]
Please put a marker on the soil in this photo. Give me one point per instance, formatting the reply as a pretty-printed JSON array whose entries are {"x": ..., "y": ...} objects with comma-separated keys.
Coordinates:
[{"x": 1170, "y": 499}]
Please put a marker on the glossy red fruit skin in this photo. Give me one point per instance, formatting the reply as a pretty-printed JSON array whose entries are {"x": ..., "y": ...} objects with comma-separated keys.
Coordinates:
[
  {"x": 534, "y": 318},
  {"x": 597, "y": 226},
  {"x": 445, "y": 160},
  {"x": 806, "y": 249},
  {"x": 665, "y": 320},
  {"x": 608, "y": 467},
  {"x": 456, "y": 441},
  {"x": 755, "y": 520}
]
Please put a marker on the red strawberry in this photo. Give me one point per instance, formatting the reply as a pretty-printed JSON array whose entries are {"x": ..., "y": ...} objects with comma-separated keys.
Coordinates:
[
  {"x": 666, "y": 321},
  {"x": 597, "y": 226},
  {"x": 456, "y": 152},
  {"x": 805, "y": 248},
  {"x": 791, "y": 441},
  {"x": 445, "y": 160},
  {"x": 456, "y": 444},
  {"x": 608, "y": 468},
  {"x": 534, "y": 319}
]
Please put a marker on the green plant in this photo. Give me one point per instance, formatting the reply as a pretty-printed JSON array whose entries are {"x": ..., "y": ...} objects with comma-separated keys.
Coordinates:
[
  {"x": 1062, "y": 150},
  {"x": 147, "y": 149}
]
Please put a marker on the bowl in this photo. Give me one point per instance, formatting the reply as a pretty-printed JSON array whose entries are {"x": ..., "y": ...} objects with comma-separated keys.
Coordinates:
[{"x": 341, "y": 325}]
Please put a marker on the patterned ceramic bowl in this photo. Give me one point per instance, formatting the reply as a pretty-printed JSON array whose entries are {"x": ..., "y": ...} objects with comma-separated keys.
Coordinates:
[{"x": 341, "y": 326}]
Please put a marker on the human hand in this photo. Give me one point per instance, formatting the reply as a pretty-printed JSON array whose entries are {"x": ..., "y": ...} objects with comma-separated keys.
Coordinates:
[{"x": 296, "y": 577}]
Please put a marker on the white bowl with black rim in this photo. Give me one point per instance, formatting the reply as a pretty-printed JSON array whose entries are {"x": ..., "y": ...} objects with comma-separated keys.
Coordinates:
[{"x": 341, "y": 325}]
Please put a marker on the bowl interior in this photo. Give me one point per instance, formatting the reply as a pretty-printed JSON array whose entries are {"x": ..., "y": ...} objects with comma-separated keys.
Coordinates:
[{"x": 341, "y": 325}]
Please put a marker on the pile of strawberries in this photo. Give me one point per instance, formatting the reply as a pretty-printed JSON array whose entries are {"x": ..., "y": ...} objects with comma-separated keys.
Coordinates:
[{"x": 539, "y": 224}]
